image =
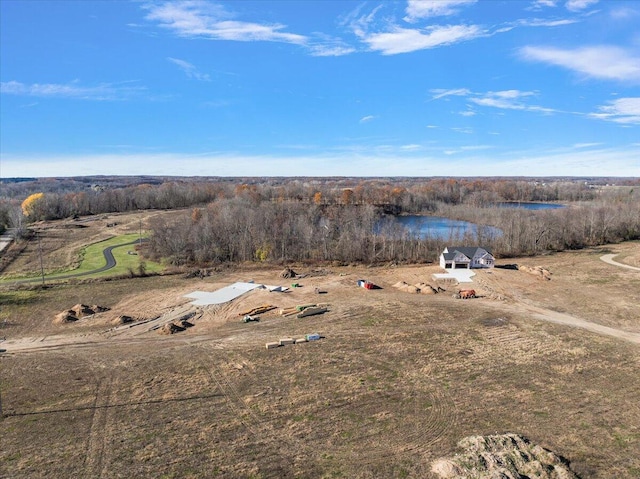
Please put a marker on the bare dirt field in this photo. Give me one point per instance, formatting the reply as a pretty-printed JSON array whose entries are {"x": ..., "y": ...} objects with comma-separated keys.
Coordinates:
[{"x": 396, "y": 381}]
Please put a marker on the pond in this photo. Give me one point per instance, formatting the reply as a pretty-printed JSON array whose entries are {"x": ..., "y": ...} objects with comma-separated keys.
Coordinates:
[
  {"x": 439, "y": 227},
  {"x": 530, "y": 205}
]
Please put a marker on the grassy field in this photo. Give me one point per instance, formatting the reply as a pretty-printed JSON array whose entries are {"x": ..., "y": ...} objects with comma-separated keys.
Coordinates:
[{"x": 92, "y": 258}]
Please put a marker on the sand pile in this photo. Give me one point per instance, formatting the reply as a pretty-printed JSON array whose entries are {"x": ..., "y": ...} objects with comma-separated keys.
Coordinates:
[
  {"x": 506, "y": 456},
  {"x": 539, "y": 271}
]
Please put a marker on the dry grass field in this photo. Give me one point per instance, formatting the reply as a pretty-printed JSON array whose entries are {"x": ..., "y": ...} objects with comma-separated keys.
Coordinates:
[{"x": 396, "y": 381}]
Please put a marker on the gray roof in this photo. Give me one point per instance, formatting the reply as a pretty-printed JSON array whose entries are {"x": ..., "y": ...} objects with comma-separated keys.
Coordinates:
[{"x": 468, "y": 251}]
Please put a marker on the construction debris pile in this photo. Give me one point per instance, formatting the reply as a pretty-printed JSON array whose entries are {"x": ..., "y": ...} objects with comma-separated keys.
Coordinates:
[
  {"x": 507, "y": 456},
  {"x": 286, "y": 341}
]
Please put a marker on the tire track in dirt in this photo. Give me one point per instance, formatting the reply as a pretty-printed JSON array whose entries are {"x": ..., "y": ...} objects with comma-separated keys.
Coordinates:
[
  {"x": 430, "y": 413},
  {"x": 257, "y": 426},
  {"x": 97, "y": 438}
]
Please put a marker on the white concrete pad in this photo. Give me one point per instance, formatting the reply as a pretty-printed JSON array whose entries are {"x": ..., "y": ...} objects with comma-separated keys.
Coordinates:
[
  {"x": 223, "y": 295},
  {"x": 461, "y": 275}
]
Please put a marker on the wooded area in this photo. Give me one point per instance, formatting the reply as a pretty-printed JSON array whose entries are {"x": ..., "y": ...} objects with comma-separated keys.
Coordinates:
[{"x": 337, "y": 219}]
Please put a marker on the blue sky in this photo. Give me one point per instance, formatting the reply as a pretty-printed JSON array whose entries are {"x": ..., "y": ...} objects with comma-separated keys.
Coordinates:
[{"x": 320, "y": 88}]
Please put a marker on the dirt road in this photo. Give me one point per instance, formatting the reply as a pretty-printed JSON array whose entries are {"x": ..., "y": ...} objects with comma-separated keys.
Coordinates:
[
  {"x": 608, "y": 258},
  {"x": 568, "y": 320}
]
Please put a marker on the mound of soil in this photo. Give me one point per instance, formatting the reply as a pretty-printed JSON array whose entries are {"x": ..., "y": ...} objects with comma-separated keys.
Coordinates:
[
  {"x": 65, "y": 317},
  {"x": 288, "y": 273},
  {"x": 170, "y": 328},
  {"x": 122, "y": 319},
  {"x": 539, "y": 271},
  {"x": 426, "y": 288},
  {"x": 81, "y": 310},
  {"x": 423, "y": 288},
  {"x": 505, "y": 456}
]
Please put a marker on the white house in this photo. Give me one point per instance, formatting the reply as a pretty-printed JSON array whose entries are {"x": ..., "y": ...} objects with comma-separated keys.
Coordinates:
[{"x": 455, "y": 257}]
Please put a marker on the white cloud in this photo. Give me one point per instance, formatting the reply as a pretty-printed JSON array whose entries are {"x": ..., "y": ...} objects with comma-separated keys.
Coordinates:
[
  {"x": 506, "y": 99},
  {"x": 335, "y": 49},
  {"x": 404, "y": 40},
  {"x": 101, "y": 92},
  {"x": 544, "y": 3},
  {"x": 197, "y": 18},
  {"x": 540, "y": 22},
  {"x": 586, "y": 145},
  {"x": 411, "y": 147},
  {"x": 578, "y": 5},
  {"x": 622, "y": 110},
  {"x": 189, "y": 69},
  {"x": 441, "y": 93},
  {"x": 604, "y": 62},
  {"x": 417, "y": 9},
  {"x": 367, "y": 118}
]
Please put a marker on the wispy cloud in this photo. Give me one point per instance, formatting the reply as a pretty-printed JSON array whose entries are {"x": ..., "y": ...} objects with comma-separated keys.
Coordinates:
[
  {"x": 368, "y": 118},
  {"x": 542, "y": 22},
  {"x": 73, "y": 90},
  {"x": 538, "y": 4},
  {"x": 197, "y": 18},
  {"x": 189, "y": 69},
  {"x": 571, "y": 5},
  {"x": 504, "y": 99},
  {"x": 417, "y": 9},
  {"x": 442, "y": 93},
  {"x": 405, "y": 40},
  {"x": 330, "y": 48},
  {"x": 622, "y": 110},
  {"x": 586, "y": 145},
  {"x": 578, "y": 5},
  {"x": 602, "y": 62}
]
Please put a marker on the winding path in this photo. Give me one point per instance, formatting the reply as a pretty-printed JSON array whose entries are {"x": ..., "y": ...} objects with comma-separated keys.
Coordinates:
[
  {"x": 608, "y": 258},
  {"x": 108, "y": 256}
]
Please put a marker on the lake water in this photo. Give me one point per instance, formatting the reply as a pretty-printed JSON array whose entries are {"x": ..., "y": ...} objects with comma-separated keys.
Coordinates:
[
  {"x": 443, "y": 228},
  {"x": 530, "y": 206}
]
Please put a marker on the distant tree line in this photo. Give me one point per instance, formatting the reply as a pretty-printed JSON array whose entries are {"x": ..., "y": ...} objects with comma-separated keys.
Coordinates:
[
  {"x": 239, "y": 229},
  {"x": 336, "y": 219}
]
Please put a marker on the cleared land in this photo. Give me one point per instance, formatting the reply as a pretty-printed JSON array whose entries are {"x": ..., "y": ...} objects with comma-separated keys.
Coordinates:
[{"x": 396, "y": 382}]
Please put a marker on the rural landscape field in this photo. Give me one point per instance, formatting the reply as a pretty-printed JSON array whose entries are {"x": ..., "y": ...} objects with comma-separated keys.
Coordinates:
[
  {"x": 311, "y": 239},
  {"x": 397, "y": 379}
]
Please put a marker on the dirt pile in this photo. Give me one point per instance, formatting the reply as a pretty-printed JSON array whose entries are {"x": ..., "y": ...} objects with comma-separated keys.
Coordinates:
[
  {"x": 77, "y": 312},
  {"x": 506, "y": 456},
  {"x": 288, "y": 273},
  {"x": 122, "y": 319},
  {"x": 65, "y": 317},
  {"x": 171, "y": 328},
  {"x": 423, "y": 288},
  {"x": 539, "y": 271}
]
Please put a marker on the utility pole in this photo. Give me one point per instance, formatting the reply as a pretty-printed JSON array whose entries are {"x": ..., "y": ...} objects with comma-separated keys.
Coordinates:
[{"x": 41, "y": 264}]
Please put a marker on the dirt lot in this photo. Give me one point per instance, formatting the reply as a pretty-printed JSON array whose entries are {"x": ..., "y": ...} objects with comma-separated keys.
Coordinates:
[{"x": 396, "y": 381}]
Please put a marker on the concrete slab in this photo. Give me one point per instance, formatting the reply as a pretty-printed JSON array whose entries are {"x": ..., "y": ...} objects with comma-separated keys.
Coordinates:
[
  {"x": 460, "y": 275},
  {"x": 223, "y": 295}
]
